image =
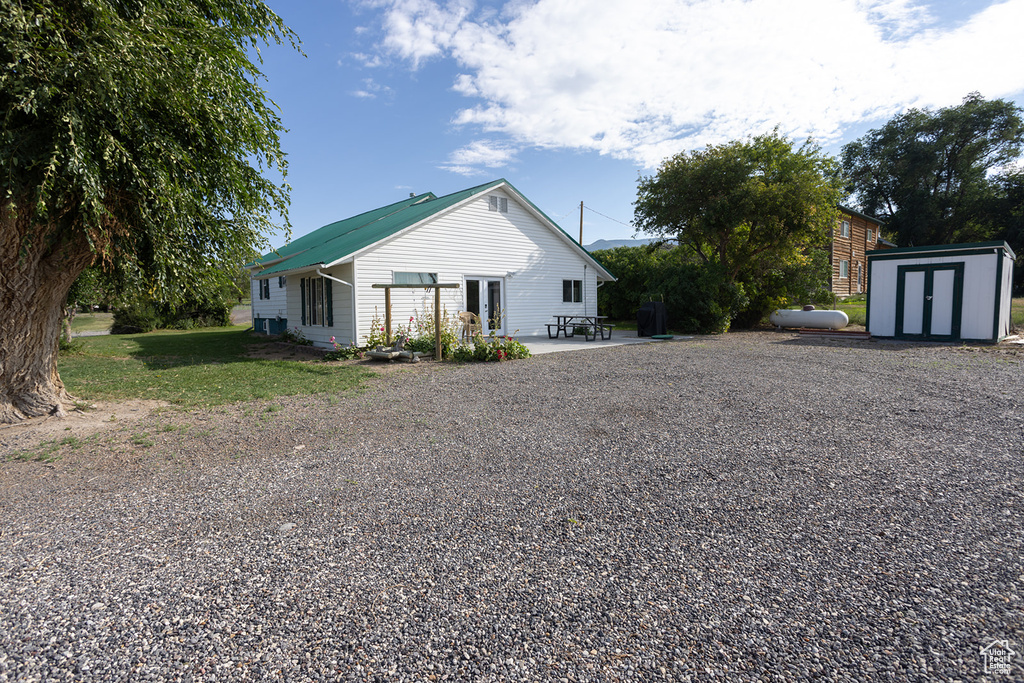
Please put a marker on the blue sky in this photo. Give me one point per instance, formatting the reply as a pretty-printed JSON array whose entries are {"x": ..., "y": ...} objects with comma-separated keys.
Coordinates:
[{"x": 572, "y": 100}]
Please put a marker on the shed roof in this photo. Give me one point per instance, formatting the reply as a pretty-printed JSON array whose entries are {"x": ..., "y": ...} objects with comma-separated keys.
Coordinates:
[{"x": 339, "y": 241}]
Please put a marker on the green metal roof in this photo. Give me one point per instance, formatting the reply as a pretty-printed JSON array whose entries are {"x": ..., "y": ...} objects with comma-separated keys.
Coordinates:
[{"x": 337, "y": 241}]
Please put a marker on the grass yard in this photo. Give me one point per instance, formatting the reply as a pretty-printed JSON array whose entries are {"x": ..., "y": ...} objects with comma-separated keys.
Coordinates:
[
  {"x": 194, "y": 368},
  {"x": 91, "y": 322}
]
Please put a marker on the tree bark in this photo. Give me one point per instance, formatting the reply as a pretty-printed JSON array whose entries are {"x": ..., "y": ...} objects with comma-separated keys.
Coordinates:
[{"x": 38, "y": 265}]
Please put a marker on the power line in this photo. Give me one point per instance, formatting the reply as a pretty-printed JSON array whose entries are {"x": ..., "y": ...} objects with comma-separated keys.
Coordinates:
[{"x": 614, "y": 220}]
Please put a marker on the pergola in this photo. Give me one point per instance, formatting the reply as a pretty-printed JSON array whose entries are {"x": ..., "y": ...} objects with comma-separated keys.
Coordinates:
[{"x": 437, "y": 287}]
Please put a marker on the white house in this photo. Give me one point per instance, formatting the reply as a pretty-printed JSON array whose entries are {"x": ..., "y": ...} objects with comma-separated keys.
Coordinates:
[
  {"x": 947, "y": 292},
  {"x": 514, "y": 266}
]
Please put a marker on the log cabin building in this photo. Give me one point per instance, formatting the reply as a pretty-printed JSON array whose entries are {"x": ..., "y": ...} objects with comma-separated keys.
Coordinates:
[{"x": 855, "y": 234}]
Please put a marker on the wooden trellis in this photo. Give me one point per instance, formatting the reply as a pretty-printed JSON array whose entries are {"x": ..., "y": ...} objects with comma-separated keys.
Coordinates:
[{"x": 437, "y": 287}]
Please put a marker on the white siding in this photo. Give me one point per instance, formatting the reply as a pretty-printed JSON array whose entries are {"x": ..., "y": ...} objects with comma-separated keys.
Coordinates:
[
  {"x": 473, "y": 241},
  {"x": 341, "y": 295},
  {"x": 273, "y": 307}
]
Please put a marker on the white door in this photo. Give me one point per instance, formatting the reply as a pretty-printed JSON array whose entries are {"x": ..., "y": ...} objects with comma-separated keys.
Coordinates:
[
  {"x": 913, "y": 302},
  {"x": 485, "y": 296},
  {"x": 929, "y": 299}
]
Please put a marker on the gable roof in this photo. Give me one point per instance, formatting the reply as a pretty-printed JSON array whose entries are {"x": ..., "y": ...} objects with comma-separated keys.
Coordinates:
[{"x": 342, "y": 240}]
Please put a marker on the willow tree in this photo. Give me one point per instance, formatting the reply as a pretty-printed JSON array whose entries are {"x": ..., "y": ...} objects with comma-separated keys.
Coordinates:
[{"x": 136, "y": 135}]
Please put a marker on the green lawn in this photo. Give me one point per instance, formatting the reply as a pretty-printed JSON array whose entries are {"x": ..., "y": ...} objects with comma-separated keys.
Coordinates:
[
  {"x": 91, "y": 322},
  {"x": 194, "y": 368}
]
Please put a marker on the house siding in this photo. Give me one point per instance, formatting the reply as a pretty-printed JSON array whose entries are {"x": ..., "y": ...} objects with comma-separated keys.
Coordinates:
[
  {"x": 267, "y": 312},
  {"x": 341, "y": 300},
  {"x": 853, "y": 250},
  {"x": 471, "y": 240}
]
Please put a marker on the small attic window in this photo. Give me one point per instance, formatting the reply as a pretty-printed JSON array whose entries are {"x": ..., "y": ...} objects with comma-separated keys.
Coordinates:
[{"x": 499, "y": 204}]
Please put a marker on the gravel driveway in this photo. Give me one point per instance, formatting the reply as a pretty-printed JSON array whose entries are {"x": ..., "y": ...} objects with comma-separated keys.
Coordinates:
[{"x": 745, "y": 507}]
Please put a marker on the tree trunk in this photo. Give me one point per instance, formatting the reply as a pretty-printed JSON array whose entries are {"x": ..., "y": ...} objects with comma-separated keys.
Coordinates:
[{"x": 38, "y": 265}]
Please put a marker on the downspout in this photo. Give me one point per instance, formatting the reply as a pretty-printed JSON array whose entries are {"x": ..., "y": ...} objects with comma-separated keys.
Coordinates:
[{"x": 352, "y": 299}]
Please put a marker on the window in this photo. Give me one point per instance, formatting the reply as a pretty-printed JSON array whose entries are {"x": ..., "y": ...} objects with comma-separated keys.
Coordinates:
[
  {"x": 265, "y": 288},
  {"x": 572, "y": 291},
  {"x": 871, "y": 235},
  {"x": 280, "y": 282},
  {"x": 498, "y": 203},
  {"x": 844, "y": 269},
  {"x": 399, "y": 278},
  {"x": 316, "y": 301},
  {"x": 844, "y": 231}
]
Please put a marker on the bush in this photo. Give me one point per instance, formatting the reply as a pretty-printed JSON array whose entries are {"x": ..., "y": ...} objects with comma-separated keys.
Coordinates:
[
  {"x": 148, "y": 315},
  {"x": 698, "y": 297},
  {"x": 490, "y": 349}
]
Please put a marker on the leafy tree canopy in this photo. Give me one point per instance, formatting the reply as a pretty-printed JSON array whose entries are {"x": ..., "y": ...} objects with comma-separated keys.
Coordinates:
[
  {"x": 753, "y": 209},
  {"x": 136, "y": 133},
  {"x": 939, "y": 177}
]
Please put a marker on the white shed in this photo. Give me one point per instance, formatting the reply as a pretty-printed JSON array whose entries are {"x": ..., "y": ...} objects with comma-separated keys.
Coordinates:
[{"x": 947, "y": 292}]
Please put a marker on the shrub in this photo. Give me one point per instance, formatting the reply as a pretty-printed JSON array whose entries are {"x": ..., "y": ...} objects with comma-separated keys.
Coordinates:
[
  {"x": 490, "y": 349},
  {"x": 698, "y": 296},
  {"x": 147, "y": 315}
]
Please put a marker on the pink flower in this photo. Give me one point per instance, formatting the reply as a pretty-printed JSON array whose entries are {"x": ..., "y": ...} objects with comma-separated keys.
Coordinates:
[{"x": 332, "y": 340}]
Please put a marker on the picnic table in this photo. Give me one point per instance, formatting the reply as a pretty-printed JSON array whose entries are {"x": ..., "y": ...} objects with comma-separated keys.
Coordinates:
[{"x": 592, "y": 326}]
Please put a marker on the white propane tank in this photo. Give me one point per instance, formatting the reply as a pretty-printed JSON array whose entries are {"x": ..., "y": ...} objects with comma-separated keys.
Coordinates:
[{"x": 817, "y": 320}]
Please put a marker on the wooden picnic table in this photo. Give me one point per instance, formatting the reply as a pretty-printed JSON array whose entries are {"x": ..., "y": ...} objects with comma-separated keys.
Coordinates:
[{"x": 593, "y": 325}]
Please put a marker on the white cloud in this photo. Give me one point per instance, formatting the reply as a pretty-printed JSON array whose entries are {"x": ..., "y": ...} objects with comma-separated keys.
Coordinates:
[
  {"x": 371, "y": 90},
  {"x": 643, "y": 79},
  {"x": 478, "y": 155}
]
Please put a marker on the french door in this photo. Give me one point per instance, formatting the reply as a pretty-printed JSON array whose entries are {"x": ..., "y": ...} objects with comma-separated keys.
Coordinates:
[{"x": 485, "y": 296}]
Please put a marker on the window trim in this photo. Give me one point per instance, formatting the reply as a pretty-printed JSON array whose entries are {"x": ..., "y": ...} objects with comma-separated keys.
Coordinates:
[
  {"x": 264, "y": 285},
  {"x": 497, "y": 203},
  {"x": 845, "y": 229},
  {"x": 844, "y": 265},
  {"x": 572, "y": 291},
  {"x": 317, "y": 302}
]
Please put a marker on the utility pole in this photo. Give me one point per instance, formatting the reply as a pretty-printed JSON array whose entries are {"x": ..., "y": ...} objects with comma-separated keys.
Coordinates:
[{"x": 581, "y": 224}]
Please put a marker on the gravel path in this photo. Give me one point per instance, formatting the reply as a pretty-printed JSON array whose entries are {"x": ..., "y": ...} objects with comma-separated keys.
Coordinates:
[{"x": 747, "y": 507}]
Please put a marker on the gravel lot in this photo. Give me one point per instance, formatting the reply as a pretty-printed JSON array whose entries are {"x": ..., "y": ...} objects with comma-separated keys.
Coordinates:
[{"x": 746, "y": 507}]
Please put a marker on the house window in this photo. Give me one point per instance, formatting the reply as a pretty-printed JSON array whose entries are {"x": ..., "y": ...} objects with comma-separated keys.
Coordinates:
[
  {"x": 316, "y": 302},
  {"x": 399, "y": 278},
  {"x": 572, "y": 291},
  {"x": 265, "y": 288},
  {"x": 499, "y": 204},
  {"x": 844, "y": 269},
  {"x": 280, "y": 282},
  {"x": 844, "y": 231}
]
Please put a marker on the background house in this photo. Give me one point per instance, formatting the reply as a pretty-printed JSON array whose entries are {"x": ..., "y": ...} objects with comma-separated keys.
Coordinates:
[
  {"x": 514, "y": 266},
  {"x": 855, "y": 234}
]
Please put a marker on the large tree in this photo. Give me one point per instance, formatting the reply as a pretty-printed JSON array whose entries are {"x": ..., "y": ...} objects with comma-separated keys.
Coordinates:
[
  {"x": 135, "y": 135},
  {"x": 934, "y": 176},
  {"x": 757, "y": 209}
]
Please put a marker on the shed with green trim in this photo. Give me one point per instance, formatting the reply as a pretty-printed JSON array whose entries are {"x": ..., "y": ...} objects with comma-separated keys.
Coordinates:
[{"x": 951, "y": 292}]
